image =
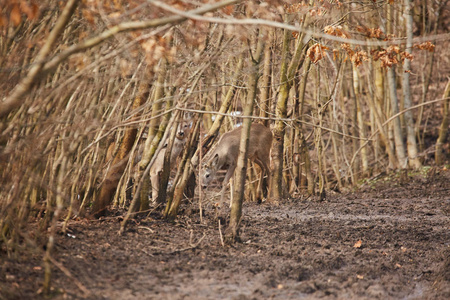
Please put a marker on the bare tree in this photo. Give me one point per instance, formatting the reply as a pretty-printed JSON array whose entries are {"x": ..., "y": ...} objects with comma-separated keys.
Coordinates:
[
  {"x": 241, "y": 168},
  {"x": 413, "y": 158}
]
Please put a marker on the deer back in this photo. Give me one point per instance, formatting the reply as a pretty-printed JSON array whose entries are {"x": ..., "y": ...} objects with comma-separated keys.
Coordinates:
[{"x": 226, "y": 151}]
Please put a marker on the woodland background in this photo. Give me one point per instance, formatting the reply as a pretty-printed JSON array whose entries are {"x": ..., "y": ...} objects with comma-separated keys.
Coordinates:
[{"x": 350, "y": 89}]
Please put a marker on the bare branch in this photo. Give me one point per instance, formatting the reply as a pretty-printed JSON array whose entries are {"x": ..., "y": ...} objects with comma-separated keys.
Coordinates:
[
  {"x": 17, "y": 96},
  {"x": 307, "y": 32},
  {"x": 23, "y": 88}
]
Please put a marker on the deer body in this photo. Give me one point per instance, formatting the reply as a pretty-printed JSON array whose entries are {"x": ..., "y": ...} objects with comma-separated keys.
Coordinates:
[
  {"x": 226, "y": 152},
  {"x": 178, "y": 145}
]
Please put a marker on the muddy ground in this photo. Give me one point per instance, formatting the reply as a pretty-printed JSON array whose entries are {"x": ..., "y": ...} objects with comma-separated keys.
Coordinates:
[{"x": 389, "y": 240}]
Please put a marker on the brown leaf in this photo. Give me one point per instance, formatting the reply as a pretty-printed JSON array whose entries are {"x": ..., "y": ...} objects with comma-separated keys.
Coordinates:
[
  {"x": 315, "y": 52},
  {"x": 31, "y": 10},
  {"x": 87, "y": 14},
  {"x": 3, "y": 20},
  {"x": 15, "y": 16},
  {"x": 228, "y": 10},
  {"x": 426, "y": 46}
]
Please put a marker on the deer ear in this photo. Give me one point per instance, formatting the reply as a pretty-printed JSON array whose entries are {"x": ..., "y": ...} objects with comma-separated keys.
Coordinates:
[
  {"x": 215, "y": 160},
  {"x": 187, "y": 116}
]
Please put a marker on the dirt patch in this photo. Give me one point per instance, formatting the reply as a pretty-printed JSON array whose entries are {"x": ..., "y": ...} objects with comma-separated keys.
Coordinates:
[{"x": 299, "y": 249}]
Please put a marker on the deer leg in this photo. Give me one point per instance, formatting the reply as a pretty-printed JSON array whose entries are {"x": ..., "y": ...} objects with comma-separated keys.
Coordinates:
[
  {"x": 252, "y": 173},
  {"x": 154, "y": 179},
  {"x": 264, "y": 169},
  {"x": 225, "y": 181},
  {"x": 231, "y": 189}
]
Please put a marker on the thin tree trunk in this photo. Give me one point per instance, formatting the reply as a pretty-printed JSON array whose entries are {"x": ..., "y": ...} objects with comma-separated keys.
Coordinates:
[
  {"x": 304, "y": 151},
  {"x": 443, "y": 130},
  {"x": 426, "y": 74},
  {"x": 241, "y": 168},
  {"x": 55, "y": 219},
  {"x": 398, "y": 136},
  {"x": 184, "y": 175},
  {"x": 109, "y": 186},
  {"x": 155, "y": 121},
  {"x": 409, "y": 122},
  {"x": 286, "y": 75},
  {"x": 360, "y": 121},
  {"x": 266, "y": 79},
  {"x": 165, "y": 174},
  {"x": 376, "y": 104}
]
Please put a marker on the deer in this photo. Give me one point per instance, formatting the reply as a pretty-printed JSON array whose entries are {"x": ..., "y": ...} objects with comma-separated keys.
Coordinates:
[
  {"x": 181, "y": 136},
  {"x": 226, "y": 151}
]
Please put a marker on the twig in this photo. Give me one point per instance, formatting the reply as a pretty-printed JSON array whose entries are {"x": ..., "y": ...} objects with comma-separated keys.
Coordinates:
[
  {"x": 189, "y": 248},
  {"x": 144, "y": 227},
  {"x": 68, "y": 274},
  {"x": 221, "y": 236}
]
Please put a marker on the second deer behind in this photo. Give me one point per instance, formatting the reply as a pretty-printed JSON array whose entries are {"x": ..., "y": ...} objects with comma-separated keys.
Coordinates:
[{"x": 182, "y": 134}]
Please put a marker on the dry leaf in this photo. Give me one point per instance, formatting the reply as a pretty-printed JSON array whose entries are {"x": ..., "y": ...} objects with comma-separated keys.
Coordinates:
[
  {"x": 15, "y": 16},
  {"x": 31, "y": 10},
  {"x": 315, "y": 52},
  {"x": 228, "y": 10},
  {"x": 336, "y": 31},
  {"x": 3, "y": 20},
  {"x": 357, "y": 244},
  {"x": 359, "y": 276},
  {"x": 426, "y": 46}
]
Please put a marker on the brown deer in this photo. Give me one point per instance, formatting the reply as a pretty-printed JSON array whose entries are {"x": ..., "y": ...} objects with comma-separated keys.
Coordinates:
[
  {"x": 225, "y": 155},
  {"x": 178, "y": 145}
]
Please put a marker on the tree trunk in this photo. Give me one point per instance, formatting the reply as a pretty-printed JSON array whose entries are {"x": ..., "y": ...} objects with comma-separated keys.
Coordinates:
[
  {"x": 360, "y": 120},
  {"x": 165, "y": 174},
  {"x": 266, "y": 79},
  {"x": 376, "y": 105},
  {"x": 426, "y": 74},
  {"x": 277, "y": 187},
  {"x": 320, "y": 111},
  {"x": 109, "y": 186},
  {"x": 186, "y": 172},
  {"x": 409, "y": 122},
  {"x": 398, "y": 136},
  {"x": 151, "y": 143},
  {"x": 443, "y": 130},
  {"x": 241, "y": 168},
  {"x": 304, "y": 151}
]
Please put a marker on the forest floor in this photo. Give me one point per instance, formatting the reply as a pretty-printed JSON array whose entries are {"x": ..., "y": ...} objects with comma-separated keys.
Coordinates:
[{"x": 387, "y": 239}]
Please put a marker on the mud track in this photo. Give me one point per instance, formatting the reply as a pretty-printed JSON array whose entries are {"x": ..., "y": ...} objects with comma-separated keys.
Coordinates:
[{"x": 387, "y": 241}]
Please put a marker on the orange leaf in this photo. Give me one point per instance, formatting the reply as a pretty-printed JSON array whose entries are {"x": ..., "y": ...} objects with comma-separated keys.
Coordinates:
[
  {"x": 15, "y": 16},
  {"x": 3, "y": 20},
  {"x": 357, "y": 244},
  {"x": 228, "y": 10},
  {"x": 31, "y": 10}
]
